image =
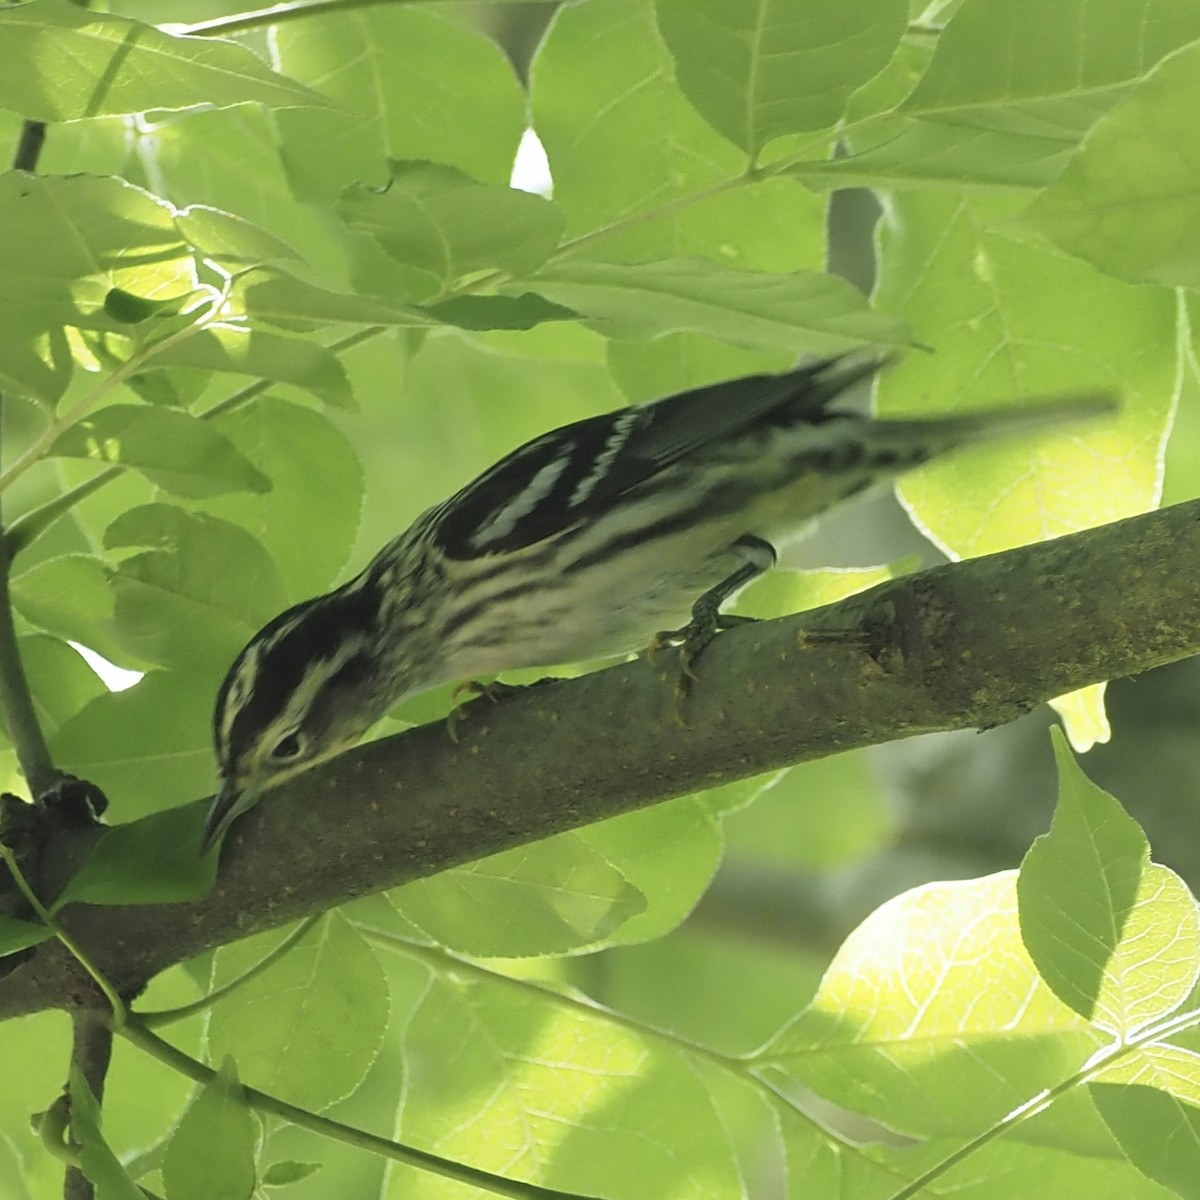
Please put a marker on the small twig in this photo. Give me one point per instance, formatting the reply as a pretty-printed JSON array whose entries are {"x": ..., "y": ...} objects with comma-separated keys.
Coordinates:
[
  {"x": 29, "y": 526},
  {"x": 46, "y": 439},
  {"x": 165, "y": 1016},
  {"x": 16, "y": 701},
  {"x": 1093, "y": 1069},
  {"x": 91, "y": 1053},
  {"x": 48, "y": 919},
  {"x": 155, "y": 1046},
  {"x": 279, "y": 14}
]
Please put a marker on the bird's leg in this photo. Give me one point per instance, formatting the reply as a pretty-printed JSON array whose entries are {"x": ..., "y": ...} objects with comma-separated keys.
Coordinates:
[
  {"x": 494, "y": 690},
  {"x": 707, "y": 618}
]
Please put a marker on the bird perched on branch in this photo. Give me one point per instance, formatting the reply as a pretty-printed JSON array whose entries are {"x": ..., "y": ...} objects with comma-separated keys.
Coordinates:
[{"x": 588, "y": 541}]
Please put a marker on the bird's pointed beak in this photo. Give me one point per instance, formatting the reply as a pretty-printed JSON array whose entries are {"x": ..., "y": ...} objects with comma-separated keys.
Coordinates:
[{"x": 229, "y": 803}]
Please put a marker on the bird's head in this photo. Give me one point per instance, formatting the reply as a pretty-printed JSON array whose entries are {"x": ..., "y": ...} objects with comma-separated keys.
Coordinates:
[{"x": 303, "y": 689}]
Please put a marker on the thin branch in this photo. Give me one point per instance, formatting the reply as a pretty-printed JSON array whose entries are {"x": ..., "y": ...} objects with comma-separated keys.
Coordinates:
[
  {"x": 165, "y": 1016},
  {"x": 28, "y": 527},
  {"x": 498, "y": 1185},
  {"x": 38, "y": 449},
  {"x": 91, "y": 1053},
  {"x": 442, "y": 962},
  {"x": 16, "y": 702},
  {"x": 1095, "y": 1067},
  {"x": 280, "y": 14},
  {"x": 117, "y": 1014},
  {"x": 970, "y": 645}
]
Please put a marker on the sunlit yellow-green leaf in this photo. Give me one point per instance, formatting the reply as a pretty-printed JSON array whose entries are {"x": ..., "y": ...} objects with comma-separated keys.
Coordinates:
[
  {"x": 932, "y": 1017},
  {"x": 1116, "y": 936}
]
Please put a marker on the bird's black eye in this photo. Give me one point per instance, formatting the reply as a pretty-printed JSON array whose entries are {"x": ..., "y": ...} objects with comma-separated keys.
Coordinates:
[{"x": 288, "y": 747}]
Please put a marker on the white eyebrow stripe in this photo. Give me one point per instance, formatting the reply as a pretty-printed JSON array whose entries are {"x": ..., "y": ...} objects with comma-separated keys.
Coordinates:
[{"x": 240, "y": 688}]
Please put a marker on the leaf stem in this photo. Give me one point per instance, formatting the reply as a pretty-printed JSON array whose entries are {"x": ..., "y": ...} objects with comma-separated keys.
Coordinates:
[
  {"x": 164, "y": 1016},
  {"x": 91, "y": 1056},
  {"x": 134, "y": 363},
  {"x": 28, "y": 527},
  {"x": 1100, "y": 1061},
  {"x": 16, "y": 700},
  {"x": 119, "y": 1013},
  {"x": 279, "y": 14},
  {"x": 32, "y": 524},
  {"x": 440, "y": 961},
  {"x": 135, "y": 1032}
]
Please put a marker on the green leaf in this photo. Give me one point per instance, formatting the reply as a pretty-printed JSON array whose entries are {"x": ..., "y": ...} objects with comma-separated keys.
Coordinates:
[
  {"x": 60, "y": 681},
  {"x": 169, "y": 387},
  {"x": 129, "y": 309},
  {"x": 174, "y": 450},
  {"x": 1115, "y": 936},
  {"x": 999, "y": 1170},
  {"x": 68, "y": 241},
  {"x": 285, "y": 1171},
  {"x": 99, "y": 1163},
  {"x": 447, "y": 225},
  {"x": 1170, "y": 1069},
  {"x": 543, "y": 1091},
  {"x": 781, "y": 592},
  {"x": 154, "y": 860},
  {"x": 211, "y": 1153},
  {"x": 1129, "y": 199},
  {"x": 224, "y": 166},
  {"x": 20, "y": 935},
  {"x": 802, "y": 311},
  {"x": 307, "y": 521},
  {"x": 947, "y": 157},
  {"x": 263, "y": 355},
  {"x": 669, "y": 853},
  {"x": 100, "y": 64},
  {"x": 65, "y": 244},
  {"x": 148, "y": 747},
  {"x": 759, "y": 69},
  {"x": 284, "y": 300},
  {"x": 230, "y": 238},
  {"x": 1160, "y": 1134},
  {"x": 69, "y": 596},
  {"x": 942, "y": 258},
  {"x": 1084, "y": 719},
  {"x": 548, "y": 898},
  {"x": 199, "y": 595},
  {"x": 988, "y": 72},
  {"x": 499, "y": 312},
  {"x": 678, "y": 362},
  {"x": 34, "y": 362},
  {"x": 308, "y": 1028},
  {"x": 932, "y": 1017},
  {"x": 603, "y": 91},
  {"x": 410, "y": 84}
]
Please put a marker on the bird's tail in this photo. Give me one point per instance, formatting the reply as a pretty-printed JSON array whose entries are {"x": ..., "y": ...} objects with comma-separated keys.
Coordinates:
[{"x": 1010, "y": 421}]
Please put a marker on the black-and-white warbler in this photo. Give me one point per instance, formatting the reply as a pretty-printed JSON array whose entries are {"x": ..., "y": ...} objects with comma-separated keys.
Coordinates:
[{"x": 583, "y": 543}]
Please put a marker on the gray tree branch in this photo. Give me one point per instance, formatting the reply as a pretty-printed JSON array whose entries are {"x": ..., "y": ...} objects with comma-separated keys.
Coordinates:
[{"x": 973, "y": 644}]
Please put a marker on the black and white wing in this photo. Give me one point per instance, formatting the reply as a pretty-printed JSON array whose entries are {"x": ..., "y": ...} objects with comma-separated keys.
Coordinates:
[{"x": 568, "y": 475}]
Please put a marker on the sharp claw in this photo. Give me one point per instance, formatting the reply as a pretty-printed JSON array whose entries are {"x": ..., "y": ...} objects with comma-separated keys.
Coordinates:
[
  {"x": 458, "y": 713},
  {"x": 663, "y": 639},
  {"x": 493, "y": 691}
]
